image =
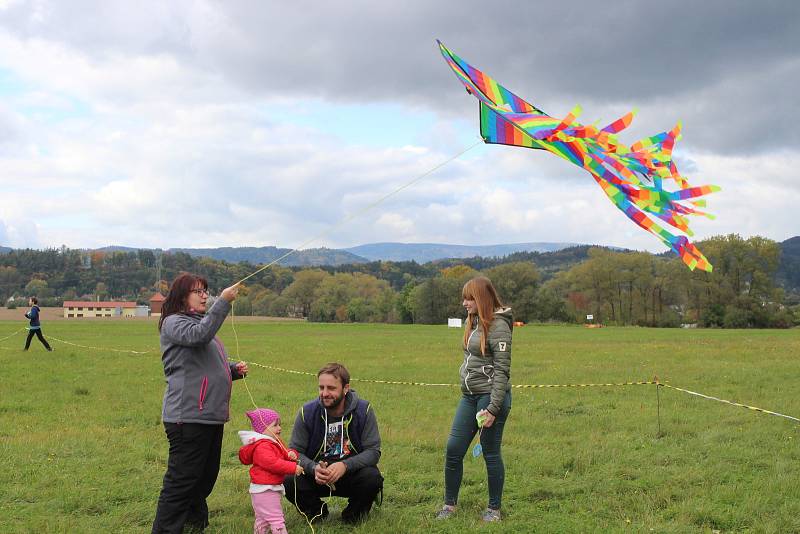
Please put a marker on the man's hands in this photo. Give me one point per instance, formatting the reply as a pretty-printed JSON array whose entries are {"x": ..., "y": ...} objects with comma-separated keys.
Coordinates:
[
  {"x": 298, "y": 470},
  {"x": 242, "y": 369},
  {"x": 325, "y": 475}
]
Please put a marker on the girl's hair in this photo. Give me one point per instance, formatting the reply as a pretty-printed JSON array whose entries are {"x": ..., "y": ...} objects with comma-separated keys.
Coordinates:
[
  {"x": 178, "y": 293},
  {"x": 481, "y": 290}
]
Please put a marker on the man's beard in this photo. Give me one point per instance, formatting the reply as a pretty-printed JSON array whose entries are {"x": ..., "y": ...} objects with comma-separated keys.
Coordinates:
[{"x": 335, "y": 402}]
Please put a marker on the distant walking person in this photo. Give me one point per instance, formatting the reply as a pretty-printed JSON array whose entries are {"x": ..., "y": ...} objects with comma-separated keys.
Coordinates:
[
  {"x": 35, "y": 328},
  {"x": 196, "y": 401},
  {"x": 485, "y": 394}
]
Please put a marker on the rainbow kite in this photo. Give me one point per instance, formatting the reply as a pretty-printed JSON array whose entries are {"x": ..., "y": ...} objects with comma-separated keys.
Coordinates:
[{"x": 631, "y": 176}]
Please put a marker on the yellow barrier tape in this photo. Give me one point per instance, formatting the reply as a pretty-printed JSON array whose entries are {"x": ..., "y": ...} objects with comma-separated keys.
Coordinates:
[
  {"x": 402, "y": 383},
  {"x": 581, "y": 385},
  {"x": 407, "y": 383},
  {"x": 12, "y": 335},
  {"x": 533, "y": 386},
  {"x": 101, "y": 348},
  {"x": 709, "y": 397}
]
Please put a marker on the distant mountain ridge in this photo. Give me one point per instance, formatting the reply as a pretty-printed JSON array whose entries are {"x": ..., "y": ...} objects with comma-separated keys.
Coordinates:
[
  {"x": 312, "y": 257},
  {"x": 425, "y": 252},
  {"x": 5, "y": 250},
  {"x": 317, "y": 257}
]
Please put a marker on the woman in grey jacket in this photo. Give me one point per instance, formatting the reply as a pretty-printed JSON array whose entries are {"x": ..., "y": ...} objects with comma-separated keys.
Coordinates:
[
  {"x": 486, "y": 394},
  {"x": 196, "y": 400}
]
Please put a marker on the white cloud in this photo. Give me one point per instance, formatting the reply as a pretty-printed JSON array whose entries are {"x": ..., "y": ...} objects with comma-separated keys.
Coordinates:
[
  {"x": 188, "y": 124},
  {"x": 23, "y": 233}
]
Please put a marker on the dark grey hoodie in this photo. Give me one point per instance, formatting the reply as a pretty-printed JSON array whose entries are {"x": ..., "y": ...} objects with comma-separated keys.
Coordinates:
[
  {"x": 197, "y": 370},
  {"x": 370, "y": 438}
]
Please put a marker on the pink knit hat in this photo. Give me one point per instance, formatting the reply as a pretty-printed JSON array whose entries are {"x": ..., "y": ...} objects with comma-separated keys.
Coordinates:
[{"x": 261, "y": 418}]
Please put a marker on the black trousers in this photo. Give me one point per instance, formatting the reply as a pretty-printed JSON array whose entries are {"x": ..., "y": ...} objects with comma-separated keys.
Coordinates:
[
  {"x": 38, "y": 333},
  {"x": 360, "y": 487},
  {"x": 192, "y": 469}
]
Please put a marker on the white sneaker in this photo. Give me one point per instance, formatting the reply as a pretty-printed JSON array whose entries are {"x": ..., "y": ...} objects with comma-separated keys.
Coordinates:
[
  {"x": 490, "y": 515},
  {"x": 446, "y": 511}
]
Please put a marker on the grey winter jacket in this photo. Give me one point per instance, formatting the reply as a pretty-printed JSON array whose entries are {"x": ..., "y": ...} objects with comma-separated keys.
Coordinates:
[
  {"x": 370, "y": 438},
  {"x": 197, "y": 370},
  {"x": 490, "y": 373}
]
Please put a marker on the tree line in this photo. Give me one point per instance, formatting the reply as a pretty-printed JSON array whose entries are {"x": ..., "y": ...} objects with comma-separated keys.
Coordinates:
[{"x": 614, "y": 287}]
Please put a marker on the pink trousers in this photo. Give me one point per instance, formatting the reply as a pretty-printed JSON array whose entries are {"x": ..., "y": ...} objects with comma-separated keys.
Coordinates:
[{"x": 269, "y": 514}]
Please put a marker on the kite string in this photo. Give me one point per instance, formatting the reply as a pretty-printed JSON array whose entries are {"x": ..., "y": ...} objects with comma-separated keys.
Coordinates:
[
  {"x": 324, "y": 233},
  {"x": 253, "y": 401},
  {"x": 339, "y": 224},
  {"x": 360, "y": 212},
  {"x": 12, "y": 334},
  {"x": 239, "y": 359}
]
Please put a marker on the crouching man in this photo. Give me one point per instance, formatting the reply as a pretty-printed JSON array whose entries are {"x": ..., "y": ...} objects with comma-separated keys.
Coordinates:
[{"x": 337, "y": 438}]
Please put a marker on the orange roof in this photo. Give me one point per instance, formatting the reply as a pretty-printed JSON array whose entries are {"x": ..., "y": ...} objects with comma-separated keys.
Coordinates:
[
  {"x": 158, "y": 297},
  {"x": 93, "y": 304}
]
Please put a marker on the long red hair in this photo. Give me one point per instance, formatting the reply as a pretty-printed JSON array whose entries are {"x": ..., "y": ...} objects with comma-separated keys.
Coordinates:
[{"x": 481, "y": 290}]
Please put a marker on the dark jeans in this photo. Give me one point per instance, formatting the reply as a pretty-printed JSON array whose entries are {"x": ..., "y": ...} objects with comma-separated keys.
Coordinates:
[
  {"x": 38, "y": 333},
  {"x": 360, "y": 487},
  {"x": 461, "y": 434},
  {"x": 192, "y": 468}
]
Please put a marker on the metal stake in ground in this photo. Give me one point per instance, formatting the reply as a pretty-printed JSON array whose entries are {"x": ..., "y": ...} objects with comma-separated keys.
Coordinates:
[{"x": 658, "y": 404}]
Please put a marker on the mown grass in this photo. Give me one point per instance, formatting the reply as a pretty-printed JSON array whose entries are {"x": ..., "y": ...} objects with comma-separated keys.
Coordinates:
[{"x": 82, "y": 448}]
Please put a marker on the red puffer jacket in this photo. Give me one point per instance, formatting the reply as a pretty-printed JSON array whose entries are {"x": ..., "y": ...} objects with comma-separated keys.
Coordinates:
[{"x": 270, "y": 461}]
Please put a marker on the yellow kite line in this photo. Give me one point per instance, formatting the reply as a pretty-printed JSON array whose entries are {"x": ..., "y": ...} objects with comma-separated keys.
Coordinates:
[
  {"x": 363, "y": 210},
  {"x": 103, "y": 348}
]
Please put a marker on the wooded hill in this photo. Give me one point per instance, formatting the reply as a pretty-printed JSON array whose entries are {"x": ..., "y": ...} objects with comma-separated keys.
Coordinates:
[{"x": 754, "y": 283}]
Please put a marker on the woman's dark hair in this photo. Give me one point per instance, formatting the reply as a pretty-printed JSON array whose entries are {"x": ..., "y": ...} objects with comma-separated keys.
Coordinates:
[
  {"x": 178, "y": 293},
  {"x": 34, "y": 300}
]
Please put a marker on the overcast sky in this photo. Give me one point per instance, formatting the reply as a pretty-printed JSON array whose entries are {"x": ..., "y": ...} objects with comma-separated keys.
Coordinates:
[{"x": 205, "y": 124}]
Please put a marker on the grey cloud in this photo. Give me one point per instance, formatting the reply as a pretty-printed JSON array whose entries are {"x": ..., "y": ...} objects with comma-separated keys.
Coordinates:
[
  {"x": 713, "y": 64},
  {"x": 101, "y": 29},
  {"x": 719, "y": 65}
]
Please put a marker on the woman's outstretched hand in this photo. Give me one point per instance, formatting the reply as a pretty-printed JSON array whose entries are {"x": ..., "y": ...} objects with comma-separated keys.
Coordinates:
[{"x": 230, "y": 293}]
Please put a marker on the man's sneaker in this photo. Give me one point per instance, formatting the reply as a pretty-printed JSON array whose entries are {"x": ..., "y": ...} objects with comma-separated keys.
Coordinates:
[
  {"x": 446, "y": 511},
  {"x": 490, "y": 515}
]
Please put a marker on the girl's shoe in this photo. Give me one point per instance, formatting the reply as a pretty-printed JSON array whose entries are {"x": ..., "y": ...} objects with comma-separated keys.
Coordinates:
[
  {"x": 490, "y": 515},
  {"x": 446, "y": 511}
]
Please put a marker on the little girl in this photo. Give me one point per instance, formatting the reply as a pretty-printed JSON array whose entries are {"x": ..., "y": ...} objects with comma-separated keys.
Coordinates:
[{"x": 271, "y": 461}]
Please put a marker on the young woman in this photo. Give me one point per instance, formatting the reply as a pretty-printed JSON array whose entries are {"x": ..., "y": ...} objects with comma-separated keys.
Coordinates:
[
  {"x": 486, "y": 394},
  {"x": 196, "y": 401}
]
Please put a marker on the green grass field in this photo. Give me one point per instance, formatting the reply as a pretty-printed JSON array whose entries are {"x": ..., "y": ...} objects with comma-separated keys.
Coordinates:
[{"x": 82, "y": 448}]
